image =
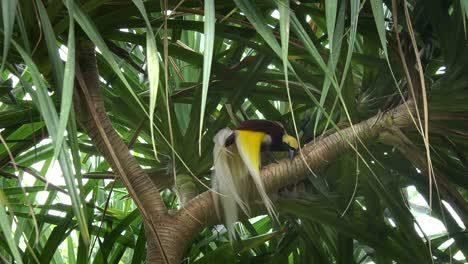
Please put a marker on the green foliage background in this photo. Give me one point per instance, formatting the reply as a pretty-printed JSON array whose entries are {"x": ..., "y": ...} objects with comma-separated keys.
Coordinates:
[{"x": 342, "y": 62}]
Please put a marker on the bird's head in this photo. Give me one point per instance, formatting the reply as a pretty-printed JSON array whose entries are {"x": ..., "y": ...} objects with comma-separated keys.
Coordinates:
[
  {"x": 276, "y": 138},
  {"x": 292, "y": 144}
]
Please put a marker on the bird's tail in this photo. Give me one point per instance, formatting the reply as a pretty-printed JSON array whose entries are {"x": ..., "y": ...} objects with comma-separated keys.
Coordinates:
[{"x": 230, "y": 180}]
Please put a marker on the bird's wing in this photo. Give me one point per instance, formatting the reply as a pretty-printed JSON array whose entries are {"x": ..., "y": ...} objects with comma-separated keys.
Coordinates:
[{"x": 248, "y": 144}]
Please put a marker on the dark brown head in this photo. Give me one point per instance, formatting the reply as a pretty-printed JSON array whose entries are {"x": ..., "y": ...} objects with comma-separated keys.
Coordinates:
[{"x": 276, "y": 138}]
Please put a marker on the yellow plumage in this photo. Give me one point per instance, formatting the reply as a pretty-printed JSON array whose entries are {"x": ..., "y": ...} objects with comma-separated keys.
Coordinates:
[{"x": 250, "y": 142}]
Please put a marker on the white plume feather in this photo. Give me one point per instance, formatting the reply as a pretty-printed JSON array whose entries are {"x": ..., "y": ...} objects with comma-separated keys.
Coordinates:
[{"x": 230, "y": 179}]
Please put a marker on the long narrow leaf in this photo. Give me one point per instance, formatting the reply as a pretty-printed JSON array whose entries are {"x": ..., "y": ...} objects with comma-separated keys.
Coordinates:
[
  {"x": 283, "y": 7},
  {"x": 260, "y": 24},
  {"x": 377, "y": 10},
  {"x": 335, "y": 43},
  {"x": 8, "y": 14},
  {"x": 6, "y": 229},
  {"x": 464, "y": 9},
  {"x": 351, "y": 39},
  {"x": 67, "y": 87},
  {"x": 51, "y": 43},
  {"x": 331, "y": 7},
  {"x": 140, "y": 246},
  {"x": 71, "y": 250},
  {"x": 153, "y": 69},
  {"x": 24, "y": 34},
  {"x": 209, "y": 36}
]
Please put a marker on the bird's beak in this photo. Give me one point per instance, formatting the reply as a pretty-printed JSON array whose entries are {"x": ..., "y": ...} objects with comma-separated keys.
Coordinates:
[{"x": 292, "y": 153}]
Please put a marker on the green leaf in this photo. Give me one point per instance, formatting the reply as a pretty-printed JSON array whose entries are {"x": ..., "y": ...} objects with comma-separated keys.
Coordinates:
[
  {"x": 257, "y": 20},
  {"x": 51, "y": 43},
  {"x": 92, "y": 32},
  {"x": 7, "y": 230},
  {"x": 256, "y": 241},
  {"x": 335, "y": 43},
  {"x": 67, "y": 86},
  {"x": 222, "y": 254},
  {"x": 49, "y": 114},
  {"x": 71, "y": 250},
  {"x": 209, "y": 36},
  {"x": 109, "y": 240},
  {"x": 8, "y": 15},
  {"x": 377, "y": 10},
  {"x": 153, "y": 69},
  {"x": 58, "y": 235},
  {"x": 283, "y": 7},
  {"x": 140, "y": 247},
  {"x": 331, "y": 7}
]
